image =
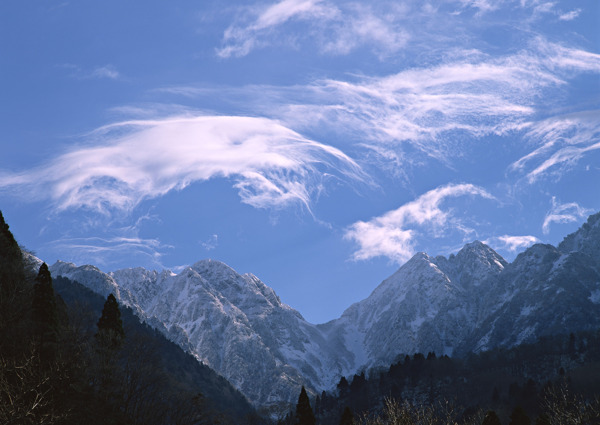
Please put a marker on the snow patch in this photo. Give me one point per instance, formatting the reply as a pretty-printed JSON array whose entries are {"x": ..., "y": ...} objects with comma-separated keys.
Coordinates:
[{"x": 595, "y": 296}]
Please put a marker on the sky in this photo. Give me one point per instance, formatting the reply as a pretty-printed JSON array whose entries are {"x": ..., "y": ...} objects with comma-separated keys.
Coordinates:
[{"x": 317, "y": 144}]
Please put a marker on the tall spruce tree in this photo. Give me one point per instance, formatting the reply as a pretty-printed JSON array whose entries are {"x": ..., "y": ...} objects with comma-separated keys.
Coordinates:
[
  {"x": 491, "y": 418},
  {"x": 14, "y": 302},
  {"x": 43, "y": 307},
  {"x": 519, "y": 417},
  {"x": 304, "y": 413},
  {"x": 347, "y": 417},
  {"x": 110, "y": 325}
]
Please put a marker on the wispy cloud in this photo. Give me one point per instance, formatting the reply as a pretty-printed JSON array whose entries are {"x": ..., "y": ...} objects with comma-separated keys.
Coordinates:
[
  {"x": 336, "y": 28},
  {"x": 210, "y": 243},
  {"x": 394, "y": 234},
  {"x": 386, "y": 27},
  {"x": 430, "y": 108},
  {"x": 512, "y": 243},
  {"x": 239, "y": 39},
  {"x": 436, "y": 111},
  {"x": 561, "y": 142},
  {"x": 104, "y": 250},
  {"x": 100, "y": 72},
  {"x": 107, "y": 71},
  {"x": 569, "y": 16},
  {"x": 563, "y": 213},
  {"x": 272, "y": 166}
]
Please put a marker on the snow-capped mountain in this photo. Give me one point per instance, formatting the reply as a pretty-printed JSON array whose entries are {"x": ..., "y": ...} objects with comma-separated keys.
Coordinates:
[
  {"x": 470, "y": 301},
  {"x": 234, "y": 323},
  {"x": 429, "y": 304}
]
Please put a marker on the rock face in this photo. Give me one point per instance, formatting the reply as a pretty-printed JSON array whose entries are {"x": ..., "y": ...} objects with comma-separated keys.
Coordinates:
[{"x": 471, "y": 301}]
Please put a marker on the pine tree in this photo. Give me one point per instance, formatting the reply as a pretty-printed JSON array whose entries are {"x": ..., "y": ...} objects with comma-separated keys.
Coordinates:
[
  {"x": 43, "y": 306},
  {"x": 519, "y": 417},
  {"x": 343, "y": 387},
  {"x": 110, "y": 325},
  {"x": 304, "y": 413},
  {"x": 14, "y": 297},
  {"x": 347, "y": 417},
  {"x": 491, "y": 418}
]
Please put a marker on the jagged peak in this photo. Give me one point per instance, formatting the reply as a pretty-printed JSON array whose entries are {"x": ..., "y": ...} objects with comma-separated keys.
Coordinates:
[
  {"x": 213, "y": 267},
  {"x": 585, "y": 238}
]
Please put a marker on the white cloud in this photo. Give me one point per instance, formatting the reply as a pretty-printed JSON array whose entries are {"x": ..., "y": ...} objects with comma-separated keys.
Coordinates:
[
  {"x": 211, "y": 243},
  {"x": 107, "y": 71},
  {"x": 429, "y": 108},
  {"x": 435, "y": 111},
  {"x": 100, "y": 72},
  {"x": 512, "y": 243},
  {"x": 569, "y": 16},
  {"x": 103, "y": 250},
  {"x": 563, "y": 213},
  {"x": 272, "y": 166},
  {"x": 561, "y": 142},
  {"x": 337, "y": 28},
  {"x": 394, "y": 234},
  {"x": 240, "y": 39}
]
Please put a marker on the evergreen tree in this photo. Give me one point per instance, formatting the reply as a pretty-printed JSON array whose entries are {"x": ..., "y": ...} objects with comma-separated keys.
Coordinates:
[
  {"x": 491, "y": 418},
  {"x": 14, "y": 301},
  {"x": 347, "y": 417},
  {"x": 343, "y": 387},
  {"x": 110, "y": 325},
  {"x": 519, "y": 417},
  {"x": 304, "y": 413},
  {"x": 43, "y": 306}
]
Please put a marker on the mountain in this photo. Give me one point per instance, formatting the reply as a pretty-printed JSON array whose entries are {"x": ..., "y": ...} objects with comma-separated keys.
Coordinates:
[
  {"x": 429, "y": 304},
  {"x": 234, "y": 323},
  {"x": 469, "y": 302}
]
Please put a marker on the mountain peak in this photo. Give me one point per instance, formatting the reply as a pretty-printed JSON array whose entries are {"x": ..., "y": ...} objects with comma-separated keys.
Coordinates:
[
  {"x": 472, "y": 265},
  {"x": 585, "y": 239}
]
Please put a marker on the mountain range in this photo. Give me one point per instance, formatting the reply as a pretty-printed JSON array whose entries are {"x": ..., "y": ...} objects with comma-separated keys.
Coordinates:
[{"x": 469, "y": 302}]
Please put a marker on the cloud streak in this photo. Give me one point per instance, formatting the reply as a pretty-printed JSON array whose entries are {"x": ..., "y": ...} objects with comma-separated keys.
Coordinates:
[
  {"x": 103, "y": 250},
  {"x": 512, "y": 243},
  {"x": 563, "y": 213},
  {"x": 561, "y": 142},
  {"x": 338, "y": 28},
  {"x": 393, "y": 235},
  {"x": 128, "y": 162}
]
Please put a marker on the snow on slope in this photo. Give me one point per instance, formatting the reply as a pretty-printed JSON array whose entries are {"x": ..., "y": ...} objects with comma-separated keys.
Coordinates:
[{"x": 470, "y": 301}]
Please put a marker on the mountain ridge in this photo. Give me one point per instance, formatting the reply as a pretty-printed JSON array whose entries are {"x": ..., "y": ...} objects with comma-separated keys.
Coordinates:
[{"x": 471, "y": 301}]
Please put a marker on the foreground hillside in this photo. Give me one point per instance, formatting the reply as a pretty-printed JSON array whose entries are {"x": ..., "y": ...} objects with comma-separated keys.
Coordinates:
[{"x": 469, "y": 302}]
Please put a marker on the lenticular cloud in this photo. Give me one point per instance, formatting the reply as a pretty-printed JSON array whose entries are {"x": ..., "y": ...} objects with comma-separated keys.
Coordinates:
[{"x": 128, "y": 162}]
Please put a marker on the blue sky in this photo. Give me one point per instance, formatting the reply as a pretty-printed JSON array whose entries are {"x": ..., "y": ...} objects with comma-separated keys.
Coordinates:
[{"x": 318, "y": 144}]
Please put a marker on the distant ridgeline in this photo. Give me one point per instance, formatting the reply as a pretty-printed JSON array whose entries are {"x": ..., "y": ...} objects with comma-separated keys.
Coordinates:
[{"x": 75, "y": 358}]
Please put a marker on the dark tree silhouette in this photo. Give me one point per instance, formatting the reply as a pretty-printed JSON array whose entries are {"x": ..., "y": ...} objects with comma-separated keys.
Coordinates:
[
  {"x": 43, "y": 306},
  {"x": 110, "y": 325},
  {"x": 347, "y": 417},
  {"x": 491, "y": 418},
  {"x": 304, "y": 413},
  {"x": 519, "y": 417}
]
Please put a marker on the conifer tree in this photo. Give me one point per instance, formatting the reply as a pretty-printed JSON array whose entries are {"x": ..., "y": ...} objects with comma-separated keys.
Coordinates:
[
  {"x": 519, "y": 417},
  {"x": 343, "y": 387},
  {"x": 43, "y": 306},
  {"x": 110, "y": 325},
  {"x": 13, "y": 300},
  {"x": 347, "y": 417},
  {"x": 304, "y": 413},
  {"x": 491, "y": 418}
]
